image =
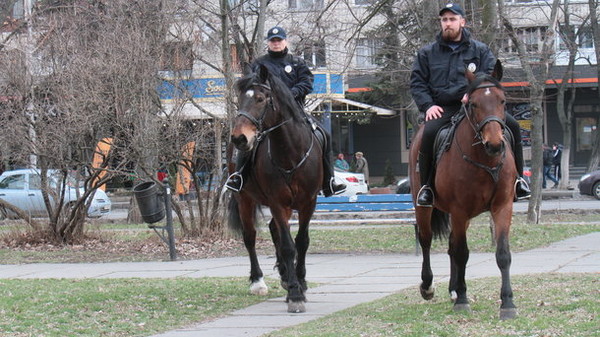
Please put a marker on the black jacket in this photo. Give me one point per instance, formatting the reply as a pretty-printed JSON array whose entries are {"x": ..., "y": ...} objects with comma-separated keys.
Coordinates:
[
  {"x": 547, "y": 157},
  {"x": 438, "y": 74},
  {"x": 292, "y": 70}
]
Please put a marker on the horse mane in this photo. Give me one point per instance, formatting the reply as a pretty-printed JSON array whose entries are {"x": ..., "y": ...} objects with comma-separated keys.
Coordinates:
[{"x": 280, "y": 92}]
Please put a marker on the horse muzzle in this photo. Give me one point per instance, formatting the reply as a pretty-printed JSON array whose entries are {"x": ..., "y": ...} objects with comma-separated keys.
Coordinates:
[
  {"x": 242, "y": 143},
  {"x": 494, "y": 150}
]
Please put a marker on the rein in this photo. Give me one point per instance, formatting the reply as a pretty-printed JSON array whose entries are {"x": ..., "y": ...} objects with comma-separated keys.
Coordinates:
[{"x": 477, "y": 127}]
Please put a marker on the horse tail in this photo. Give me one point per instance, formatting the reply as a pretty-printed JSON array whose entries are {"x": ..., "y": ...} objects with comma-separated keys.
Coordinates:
[
  {"x": 440, "y": 224},
  {"x": 234, "y": 219}
]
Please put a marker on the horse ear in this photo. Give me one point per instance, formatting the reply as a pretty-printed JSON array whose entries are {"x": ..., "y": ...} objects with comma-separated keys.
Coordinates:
[
  {"x": 263, "y": 73},
  {"x": 498, "y": 70},
  {"x": 246, "y": 68}
]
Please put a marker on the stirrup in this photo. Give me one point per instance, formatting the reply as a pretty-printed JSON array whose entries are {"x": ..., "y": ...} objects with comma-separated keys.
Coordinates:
[
  {"x": 423, "y": 189},
  {"x": 527, "y": 195},
  {"x": 231, "y": 184}
]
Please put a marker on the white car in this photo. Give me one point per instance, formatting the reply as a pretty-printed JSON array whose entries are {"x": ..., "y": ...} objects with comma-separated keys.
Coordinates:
[
  {"x": 22, "y": 189},
  {"x": 355, "y": 182}
]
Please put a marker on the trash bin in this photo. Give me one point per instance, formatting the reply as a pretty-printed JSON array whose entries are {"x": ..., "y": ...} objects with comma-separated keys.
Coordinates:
[{"x": 150, "y": 201}]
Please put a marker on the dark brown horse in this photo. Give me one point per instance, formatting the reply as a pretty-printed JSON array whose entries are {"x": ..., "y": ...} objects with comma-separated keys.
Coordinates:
[
  {"x": 285, "y": 173},
  {"x": 475, "y": 175}
]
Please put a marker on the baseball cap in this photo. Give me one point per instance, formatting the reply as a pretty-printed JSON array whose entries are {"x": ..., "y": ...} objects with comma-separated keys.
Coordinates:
[
  {"x": 454, "y": 8},
  {"x": 276, "y": 32}
]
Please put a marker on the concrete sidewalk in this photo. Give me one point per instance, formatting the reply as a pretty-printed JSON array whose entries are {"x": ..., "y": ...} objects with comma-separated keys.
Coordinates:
[{"x": 346, "y": 280}]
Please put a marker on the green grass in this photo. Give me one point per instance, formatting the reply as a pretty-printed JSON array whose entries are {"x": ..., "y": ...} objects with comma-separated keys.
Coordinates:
[
  {"x": 118, "y": 307},
  {"x": 401, "y": 239},
  {"x": 138, "y": 243},
  {"x": 548, "y": 305}
]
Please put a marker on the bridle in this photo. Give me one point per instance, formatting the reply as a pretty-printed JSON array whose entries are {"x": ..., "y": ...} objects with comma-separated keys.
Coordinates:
[
  {"x": 478, "y": 127},
  {"x": 258, "y": 122},
  {"x": 262, "y": 132}
]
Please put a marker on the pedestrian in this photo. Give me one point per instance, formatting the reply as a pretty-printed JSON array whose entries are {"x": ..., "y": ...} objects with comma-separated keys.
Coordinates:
[
  {"x": 341, "y": 163},
  {"x": 294, "y": 72},
  {"x": 547, "y": 163},
  {"x": 556, "y": 158},
  {"x": 362, "y": 166},
  {"x": 438, "y": 87}
]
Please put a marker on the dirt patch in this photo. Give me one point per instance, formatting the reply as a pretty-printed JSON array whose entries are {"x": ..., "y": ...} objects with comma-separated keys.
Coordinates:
[{"x": 120, "y": 245}]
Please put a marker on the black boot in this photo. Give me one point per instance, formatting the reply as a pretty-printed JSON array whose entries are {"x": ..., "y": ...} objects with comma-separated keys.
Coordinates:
[
  {"x": 425, "y": 196},
  {"x": 330, "y": 187},
  {"x": 235, "y": 182},
  {"x": 522, "y": 190}
]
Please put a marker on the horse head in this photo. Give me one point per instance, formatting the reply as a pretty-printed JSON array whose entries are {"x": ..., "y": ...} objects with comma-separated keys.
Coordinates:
[
  {"x": 485, "y": 109},
  {"x": 254, "y": 101}
]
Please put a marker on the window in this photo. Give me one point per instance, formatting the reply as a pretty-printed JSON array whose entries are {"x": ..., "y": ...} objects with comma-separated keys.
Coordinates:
[
  {"x": 531, "y": 37},
  {"x": 305, "y": 4},
  {"x": 366, "y": 52},
  {"x": 315, "y": 55},
  {"x": 177, "y": 56},
  {"x": 14, "y": 182},
  {"x": 586, "y": 38}
]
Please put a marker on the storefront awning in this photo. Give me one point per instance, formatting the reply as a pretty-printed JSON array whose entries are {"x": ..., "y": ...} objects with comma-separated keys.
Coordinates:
[
  {"x": 344, "y": 105},
  {"x": 378, "y": 110}
]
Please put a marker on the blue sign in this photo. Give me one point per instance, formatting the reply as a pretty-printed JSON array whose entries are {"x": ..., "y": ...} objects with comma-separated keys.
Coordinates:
[{"x": 215, "y": 87}]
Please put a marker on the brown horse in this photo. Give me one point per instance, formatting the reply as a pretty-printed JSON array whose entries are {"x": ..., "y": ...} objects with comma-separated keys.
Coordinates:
[
  {"x": 476, "y": 174},
  {"x": 285, "y": 173}
]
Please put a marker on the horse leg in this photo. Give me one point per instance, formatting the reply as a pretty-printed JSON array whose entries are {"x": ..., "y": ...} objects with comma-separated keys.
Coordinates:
[
  {"x": 247, "y": 214},
  {"x": 278, "y": 264},
  {"x": 302, "y": 243},
  {"x": 502, "y": 220},
  {"x": 423, "y": 216},
  {"x": 287, "y": 251},
  {"x": 459, "y": 255}
]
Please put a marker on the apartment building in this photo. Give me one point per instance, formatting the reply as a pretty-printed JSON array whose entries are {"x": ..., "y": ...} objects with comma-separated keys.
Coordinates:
[{"x": 341, "y": 50}]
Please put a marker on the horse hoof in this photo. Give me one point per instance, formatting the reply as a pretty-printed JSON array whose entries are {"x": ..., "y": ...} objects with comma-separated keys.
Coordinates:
[
  {"x": 465, "y": 307},
  {"x": 427, "y": 293},
  {"x": 508, "y": 313},
  {"x": 259, "y": 288},
  {"x": 296, "y": 307}
]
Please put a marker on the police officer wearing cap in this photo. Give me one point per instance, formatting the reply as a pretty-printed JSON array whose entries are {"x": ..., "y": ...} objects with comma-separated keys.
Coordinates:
[
  {"x": 294, "y": 72},
  {"x": 438, "y": 86}
]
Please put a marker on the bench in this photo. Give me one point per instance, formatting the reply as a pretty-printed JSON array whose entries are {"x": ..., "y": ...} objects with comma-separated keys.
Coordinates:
[{"x": 401, "y": 204}]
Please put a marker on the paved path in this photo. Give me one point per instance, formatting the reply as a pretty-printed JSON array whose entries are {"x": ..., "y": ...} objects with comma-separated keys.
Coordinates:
[{"x": 346, "y": 280}]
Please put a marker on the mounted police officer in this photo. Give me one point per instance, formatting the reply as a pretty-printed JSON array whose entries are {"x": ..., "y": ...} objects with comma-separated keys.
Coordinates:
[
  {"x": 294, "y": 72},
  {"x": 438, "y": 87}
]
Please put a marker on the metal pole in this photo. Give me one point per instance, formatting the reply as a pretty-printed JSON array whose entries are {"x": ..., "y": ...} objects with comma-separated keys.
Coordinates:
[{"x": 172, "y": 252}]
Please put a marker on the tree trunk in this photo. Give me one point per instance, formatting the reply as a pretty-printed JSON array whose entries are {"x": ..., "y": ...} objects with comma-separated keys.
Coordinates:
[{"x": 593, "y": 5}]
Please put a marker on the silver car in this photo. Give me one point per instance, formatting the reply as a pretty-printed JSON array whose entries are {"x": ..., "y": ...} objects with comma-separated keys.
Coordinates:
[{"x": 22, "y": 188}]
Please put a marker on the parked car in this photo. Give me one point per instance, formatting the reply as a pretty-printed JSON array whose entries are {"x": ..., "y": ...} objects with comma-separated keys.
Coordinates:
[
  {"x": 403, "y": 186},
  {"x": 527, "y": 175},
  {"x": 355, "y": 182},
  {"x": 589, "y": 184},
  {"x": 22, "y": 188}
]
